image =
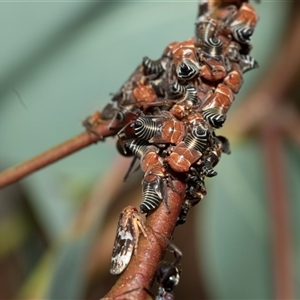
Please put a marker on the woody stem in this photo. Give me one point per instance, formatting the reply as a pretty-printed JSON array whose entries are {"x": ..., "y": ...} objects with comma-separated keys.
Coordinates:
[{"x": 54, "y": 154}]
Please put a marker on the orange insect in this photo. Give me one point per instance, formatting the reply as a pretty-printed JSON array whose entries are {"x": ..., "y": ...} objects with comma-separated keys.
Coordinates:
[
  {"x": 188, "y": 151},
  {"x": 154, "y": 184},
  {"x": 160, "y": 129},
  {"x": 243, "y": 23},
  {"x": 215, "y": 107},
  {"x": 234, "y": 78},
  {"x": 185, "y": 59}
]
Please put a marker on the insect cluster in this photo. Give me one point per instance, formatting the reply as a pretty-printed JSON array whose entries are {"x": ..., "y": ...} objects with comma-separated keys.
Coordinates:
[
  {"x": 168, "y": 112},
  {"x": 170, "y": 108}
]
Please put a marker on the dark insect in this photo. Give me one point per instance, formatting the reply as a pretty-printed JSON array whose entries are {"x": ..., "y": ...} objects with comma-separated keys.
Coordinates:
[
  {"x": 176, "y": 90},
  {"x": 130, "y": 226},
  {"x": 234, "y": 78},
  {"x": 152, "y": 67},
  {"x": 154, "y": 190},
  {"x": 168, "y": 275},
  {"x": 248, "y": 63},
  {"x": 205, "y": 30}
]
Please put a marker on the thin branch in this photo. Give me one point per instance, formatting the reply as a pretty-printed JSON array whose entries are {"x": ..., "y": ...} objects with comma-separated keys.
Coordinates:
[
  {"x": 139, "y": 274},
  {"x": 52, "y": 155}
]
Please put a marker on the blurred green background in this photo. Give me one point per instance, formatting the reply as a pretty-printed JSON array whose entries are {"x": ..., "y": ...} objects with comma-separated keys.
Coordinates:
[{"x": 59, "y": 62}]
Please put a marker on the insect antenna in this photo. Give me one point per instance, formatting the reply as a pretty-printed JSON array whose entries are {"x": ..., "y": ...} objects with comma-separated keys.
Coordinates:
[{"x": 129, "y": 171}]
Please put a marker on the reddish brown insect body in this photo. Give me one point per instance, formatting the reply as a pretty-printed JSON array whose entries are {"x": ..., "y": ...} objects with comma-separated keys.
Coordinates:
[
  {"x": 184, "y": 58},
  {"x": 143, "y": 94},
  {"x": 152, "y": 164},
  {"x": 188, "y": 101},
  {"x": 182, "y": 157},
  {"x": 183, "y": 50},
  {"x": 234, "y": 79},
  {"x": 220, "y": 100},
  {"x": 154, "y": 184},
  {"x": 213, "y": 70},
  {"x": 194, "y": 119},
  {"x": 173, "y": 131},
  {"x": 202, "y": 90},
  {"x": 165, "y": 129},
  {"x": 189, "y": 150},
  {"x": 246, "y": 15},
  {"x": 179, "y": 110},
  {"x": 243, "y": 23}
]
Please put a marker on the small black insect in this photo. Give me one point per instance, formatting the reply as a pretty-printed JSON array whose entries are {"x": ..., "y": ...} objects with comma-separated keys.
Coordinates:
[
  {"x": 130, "y": 226},
  {"x": 168, "y": 275}
]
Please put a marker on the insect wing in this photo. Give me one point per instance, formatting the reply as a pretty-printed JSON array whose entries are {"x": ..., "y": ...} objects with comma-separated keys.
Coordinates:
[
  {"x": 130, "y": 225},
  {"x": 123, "y": 246}
]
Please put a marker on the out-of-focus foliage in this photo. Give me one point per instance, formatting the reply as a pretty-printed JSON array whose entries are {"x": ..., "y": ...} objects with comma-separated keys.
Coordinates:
[
  {"x": 237, "y": 235},
  {"x": 60, "y": 61}
]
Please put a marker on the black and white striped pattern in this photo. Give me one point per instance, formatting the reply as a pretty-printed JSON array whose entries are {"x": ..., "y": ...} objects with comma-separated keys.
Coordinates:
[
  {"x": 152, "y": 66},
  {"x": 187, "y": 70},
  {"x": 197, "y": 139},
  {"x": 213, "y": 47},
  {"x": 242, "y": 33},
  {"x": 208, "y": 170},
  {"x": 205, "y": 30},
  {"x": 215, "y": 120},
  {"x": 248, "y": 63},
  {"x": 152, "y": 194},
  {"x": 138, "y": 147},
  {"x": 145, "y": 128},
  {"x": 176, "y": 90},
  {"x": 191, "y": 94}
]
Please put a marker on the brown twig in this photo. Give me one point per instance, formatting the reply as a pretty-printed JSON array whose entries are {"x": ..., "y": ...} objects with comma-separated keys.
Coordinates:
[
  {"x": 138, "y": 276},
  {"x": 52, "y": 155}
]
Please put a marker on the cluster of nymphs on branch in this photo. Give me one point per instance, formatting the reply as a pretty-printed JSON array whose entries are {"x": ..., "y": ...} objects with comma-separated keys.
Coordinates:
[{"x": 169, "y": 109}]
